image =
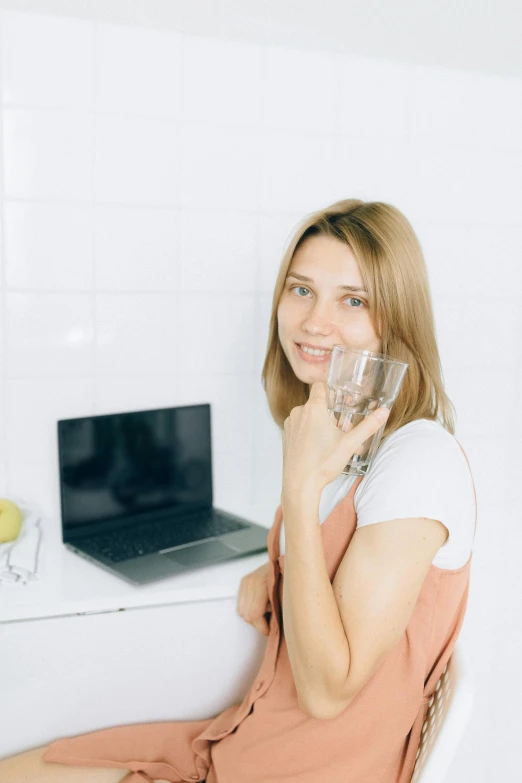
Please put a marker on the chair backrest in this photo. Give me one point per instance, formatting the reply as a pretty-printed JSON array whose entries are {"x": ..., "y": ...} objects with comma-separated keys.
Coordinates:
[{"x": 448, "y": 714}]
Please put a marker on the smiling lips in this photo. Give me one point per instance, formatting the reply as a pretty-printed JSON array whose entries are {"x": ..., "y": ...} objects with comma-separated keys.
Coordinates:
[{"x": 311, "y": 358}]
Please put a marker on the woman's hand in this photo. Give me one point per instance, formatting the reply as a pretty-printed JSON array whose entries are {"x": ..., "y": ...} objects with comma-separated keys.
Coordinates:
[
  {"x": 315, "y": 451},
  {"x": 253, "y": 602}
]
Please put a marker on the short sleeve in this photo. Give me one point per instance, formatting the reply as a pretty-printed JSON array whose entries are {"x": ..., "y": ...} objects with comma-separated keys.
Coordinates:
[{"x": 421, "y": 471}]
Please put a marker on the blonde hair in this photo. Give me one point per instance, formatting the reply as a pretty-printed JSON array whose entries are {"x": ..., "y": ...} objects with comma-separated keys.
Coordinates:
[{"x": 393, "y": 269}]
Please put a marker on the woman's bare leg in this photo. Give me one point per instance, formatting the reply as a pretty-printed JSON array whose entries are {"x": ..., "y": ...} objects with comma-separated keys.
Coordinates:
[{"x": 29, "y": 767}]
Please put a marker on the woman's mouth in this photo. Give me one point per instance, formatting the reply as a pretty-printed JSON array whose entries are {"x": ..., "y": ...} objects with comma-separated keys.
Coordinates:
[{"x": 322, "y": 358}]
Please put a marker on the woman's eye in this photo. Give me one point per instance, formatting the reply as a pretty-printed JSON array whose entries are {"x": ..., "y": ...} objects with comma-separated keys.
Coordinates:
[
  {"x": 349, "y": 299},
  {"x": 299, "y": 288}
]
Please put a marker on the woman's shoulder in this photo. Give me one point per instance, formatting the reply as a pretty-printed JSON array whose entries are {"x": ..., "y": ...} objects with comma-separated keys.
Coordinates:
[
  {"x": 415, "y": 435},
  {"x": 421, "y": 471},
  {"x": 420, "y": 427},
  {"x": 423, "y": 450}
]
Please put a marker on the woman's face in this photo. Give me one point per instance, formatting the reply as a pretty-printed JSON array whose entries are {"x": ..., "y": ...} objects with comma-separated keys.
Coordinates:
[{"x": 323, "y": 303}]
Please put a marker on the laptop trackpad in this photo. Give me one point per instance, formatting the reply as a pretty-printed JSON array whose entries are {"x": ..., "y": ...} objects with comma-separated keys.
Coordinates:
[{"x": 200, "y": 553}]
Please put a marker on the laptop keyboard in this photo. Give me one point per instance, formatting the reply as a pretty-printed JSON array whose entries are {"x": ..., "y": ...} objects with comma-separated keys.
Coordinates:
[{"x": 150, "y": 537}]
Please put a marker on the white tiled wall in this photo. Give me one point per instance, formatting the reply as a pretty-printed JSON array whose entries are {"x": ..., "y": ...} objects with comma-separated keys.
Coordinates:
[{"x": 150, "y": 181}]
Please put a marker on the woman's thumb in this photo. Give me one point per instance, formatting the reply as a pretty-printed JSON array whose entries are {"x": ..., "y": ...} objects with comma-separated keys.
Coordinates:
[
  {"x": 262, "y": 625},
  {"x": 369, "y": 425}
]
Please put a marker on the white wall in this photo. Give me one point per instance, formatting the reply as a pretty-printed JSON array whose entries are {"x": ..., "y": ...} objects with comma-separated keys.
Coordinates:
[
  {"x": 150, "y": 180},
  {"x": 479, "y": 35}
]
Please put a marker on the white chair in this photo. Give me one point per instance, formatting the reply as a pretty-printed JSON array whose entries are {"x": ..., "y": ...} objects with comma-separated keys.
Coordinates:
[{"x": 448, "y": 714}]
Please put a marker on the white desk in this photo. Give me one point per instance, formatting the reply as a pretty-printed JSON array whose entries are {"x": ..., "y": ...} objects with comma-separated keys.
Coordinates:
[{"x": 81, "y": 649}]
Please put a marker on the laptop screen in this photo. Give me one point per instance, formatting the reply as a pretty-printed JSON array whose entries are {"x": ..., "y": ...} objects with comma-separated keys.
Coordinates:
[{"x": 121, "y": 466}]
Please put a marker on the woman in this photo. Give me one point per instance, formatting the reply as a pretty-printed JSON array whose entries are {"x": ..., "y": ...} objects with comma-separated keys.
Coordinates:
[{"x": 363, "y": 609}]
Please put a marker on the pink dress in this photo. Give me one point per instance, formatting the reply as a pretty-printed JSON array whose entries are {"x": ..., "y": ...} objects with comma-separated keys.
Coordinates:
[{"x": 268, "y": 738}]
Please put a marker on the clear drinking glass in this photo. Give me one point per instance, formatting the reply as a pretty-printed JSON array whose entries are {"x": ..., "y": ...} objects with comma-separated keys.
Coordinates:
[{"x": 358, "y": 382}]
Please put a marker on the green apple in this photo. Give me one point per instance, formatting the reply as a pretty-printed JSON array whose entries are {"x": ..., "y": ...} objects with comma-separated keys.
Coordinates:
[{"x": 11, "y": 519}]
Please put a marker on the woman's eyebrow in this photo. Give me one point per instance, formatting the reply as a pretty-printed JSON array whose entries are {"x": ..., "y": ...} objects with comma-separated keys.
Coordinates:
[{"x": 305, "y": 279}]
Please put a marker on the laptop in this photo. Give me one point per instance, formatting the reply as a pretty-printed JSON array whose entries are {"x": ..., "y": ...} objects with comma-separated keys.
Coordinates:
[{"x": 136, "y": 494}]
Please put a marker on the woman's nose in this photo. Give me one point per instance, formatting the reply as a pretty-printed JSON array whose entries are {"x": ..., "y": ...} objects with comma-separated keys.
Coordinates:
[{"x": 318, "y": 322}]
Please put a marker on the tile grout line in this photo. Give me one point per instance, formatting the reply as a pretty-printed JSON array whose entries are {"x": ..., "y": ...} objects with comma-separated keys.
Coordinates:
[{"x": 3, "y": 306}]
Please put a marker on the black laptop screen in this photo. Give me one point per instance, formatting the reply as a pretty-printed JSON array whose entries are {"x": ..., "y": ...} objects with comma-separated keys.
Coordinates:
[{"x": 116, "y": 466}]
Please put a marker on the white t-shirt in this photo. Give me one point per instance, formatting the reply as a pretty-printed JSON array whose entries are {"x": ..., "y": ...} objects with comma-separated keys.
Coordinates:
[{"x": 419, "y": 471}]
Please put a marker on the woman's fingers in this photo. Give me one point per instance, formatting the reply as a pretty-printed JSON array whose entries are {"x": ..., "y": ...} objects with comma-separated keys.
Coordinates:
[
  {"x": 368, "y": 425},
  {"x": 359, "y": 434},
  {"x": 346, "y": 423},
  {"x": 253, "y": 603},
  {"x": 372, "y": 421},
  {"x": 262, "y": 625}
]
